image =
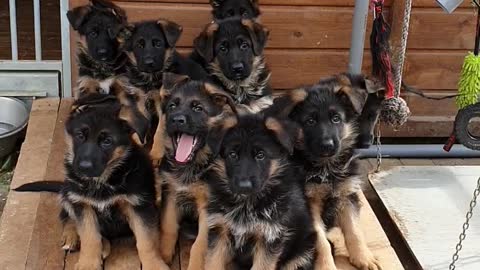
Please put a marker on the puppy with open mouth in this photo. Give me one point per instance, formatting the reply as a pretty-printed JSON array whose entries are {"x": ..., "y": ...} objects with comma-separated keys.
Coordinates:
[
  {"x": 151, "y": 52},
  {"x": 192, "y": 110}
]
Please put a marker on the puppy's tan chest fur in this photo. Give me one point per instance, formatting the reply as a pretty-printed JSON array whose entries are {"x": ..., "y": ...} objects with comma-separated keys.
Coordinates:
[
  {"x": 186, "y": 191},
  {"x": 316, "y": 191}
]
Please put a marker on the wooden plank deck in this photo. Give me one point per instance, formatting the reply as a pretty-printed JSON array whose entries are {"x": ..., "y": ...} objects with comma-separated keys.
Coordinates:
[{"x": 30, "y": 231}]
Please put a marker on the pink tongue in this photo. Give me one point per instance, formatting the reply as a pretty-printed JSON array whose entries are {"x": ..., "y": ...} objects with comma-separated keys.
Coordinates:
[{"x": 184, "y": 148}]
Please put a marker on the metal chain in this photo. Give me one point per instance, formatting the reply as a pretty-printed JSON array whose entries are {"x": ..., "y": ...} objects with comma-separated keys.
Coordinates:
[
  {"x": 378, "y": 144},
  {"x": 465, "y": 227}
]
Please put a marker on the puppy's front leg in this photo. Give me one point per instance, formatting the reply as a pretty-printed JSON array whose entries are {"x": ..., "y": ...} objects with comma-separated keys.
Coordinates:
[
  {"x": 266, "y": 255},
  {"x": 169, "y": 227},
  {"x": 360, "y": 256},
  {"x": 91, "y": 250},
  {"x": 70, "y": 238},
  {"x": 144, "y": 224},
  {"x": 324, "y": 260},
  {"x": 157, "y": 151},
  {"x": 200, "y": 246},
  {"x": 219, "y": 250}
]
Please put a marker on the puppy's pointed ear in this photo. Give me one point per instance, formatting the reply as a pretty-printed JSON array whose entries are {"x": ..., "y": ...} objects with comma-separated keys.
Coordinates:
[
  {"x": 171, "y": 30},
  {"x": 285, "y": 132},
  {"x": 137, "y": 122},
  {"x": 285, "y": 102},
  {"x": 356, "y": 97},
  {"x": 203, "y": 44},
  {"x": 256, "y": 7},
  {"x": 77, "y": 16},
  {"x": 258, "y": 35},
  {"x": 117, "y": 11},
  {"x": 220, "y": 97},
  {"x": 171, "y": 80},
  {"x": 374, "y": 86},
  {"x": 215, "y": 3},
  {"x": 219, "y": 126},
  {"x": 124, "y": 37}
]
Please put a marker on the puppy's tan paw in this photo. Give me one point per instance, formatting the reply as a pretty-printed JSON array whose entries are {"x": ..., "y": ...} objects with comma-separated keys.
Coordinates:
[
  {"x": 106, "y": 248},
  {"x": 327, "y": 264},
  {"x": 70, "y": 241},
  {"x": 365, "y": 261},
  {"x": 167, "y": 256},
  {"x": 92, "y": 264},
  {"x": 155, "y": 264}
]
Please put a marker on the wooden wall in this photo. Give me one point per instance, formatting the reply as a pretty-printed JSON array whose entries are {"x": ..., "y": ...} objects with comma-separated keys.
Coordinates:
[{"x": 309, "y": 39}]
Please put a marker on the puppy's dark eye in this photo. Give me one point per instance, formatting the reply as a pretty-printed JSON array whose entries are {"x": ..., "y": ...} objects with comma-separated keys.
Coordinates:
[
  {"x": 80, "y": 136},
  {"x": 336, "y": 119},
  {"x": 223, "y": 49},
  {"x": 244, "y": 46},
  {"x": 310, "y": 121},
  {"x": 260, "y": 155},
  {"x": 233, "y": 155},
  {"x": 172, "y": 106},
  {"x": 140, "y": 44},
  {"x": 93, "y": 34},
  {"x": 157, "y": 44},
  {"x": 244, "y": 13},
  {"x": 106, "y": 142},
  {"x": 197, "y": 108}
]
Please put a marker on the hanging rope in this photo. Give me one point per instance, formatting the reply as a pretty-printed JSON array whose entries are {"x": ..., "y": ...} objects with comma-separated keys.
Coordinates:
[{"x": 395, "y": 111}]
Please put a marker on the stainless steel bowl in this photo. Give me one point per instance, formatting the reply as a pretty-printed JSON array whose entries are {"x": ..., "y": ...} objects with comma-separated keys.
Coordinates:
[{"x": 13, "y": 120}]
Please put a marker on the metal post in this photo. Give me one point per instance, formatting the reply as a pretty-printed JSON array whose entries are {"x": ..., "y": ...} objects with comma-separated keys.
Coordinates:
[
  {"x": 359, "y": 25},
  {"x": 38, "y": 30},
  {"x": 66, "y": 66},
  {"x": 13, "y": 29}
]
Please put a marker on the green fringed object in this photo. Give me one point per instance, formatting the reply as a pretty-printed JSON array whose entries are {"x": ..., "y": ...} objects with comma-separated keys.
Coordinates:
[{"x": 469, "y": 84}]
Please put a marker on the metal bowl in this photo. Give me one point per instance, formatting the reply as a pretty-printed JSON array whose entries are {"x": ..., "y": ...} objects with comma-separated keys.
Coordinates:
[{"x": 13, "y": 120}]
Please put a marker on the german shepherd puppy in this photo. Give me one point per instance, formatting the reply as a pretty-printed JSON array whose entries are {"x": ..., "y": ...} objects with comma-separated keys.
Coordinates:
[
  {"x": 192, "y": 110},
  {"x": 151, "y": 51},
  {"x": 109, "y": 189},
  {"x": 150, "y": 48},
  {"x": 232, "y": 51},
  {"x": 99, "y": 57},
  {"x": 258, "y": 216},
  {"x": 247, "y": 9},
  {"x": 328, "y": 113}
]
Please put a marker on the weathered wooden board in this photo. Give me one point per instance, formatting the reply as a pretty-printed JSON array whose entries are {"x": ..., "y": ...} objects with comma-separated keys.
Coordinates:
[
  {"x": 428, "y": 204},
  {"x": 18, "y": 243}
]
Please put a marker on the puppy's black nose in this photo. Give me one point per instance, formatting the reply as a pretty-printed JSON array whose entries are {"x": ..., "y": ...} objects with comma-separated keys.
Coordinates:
[
  {"x": 102, "y": 51},
  {"x": 85, "y": 165},
  {"x": 179, "y": 119},
  {"x": 148, "y": 61},
  {"x": 328, "y": 147},
  {"x": 244, "y": 184},
  {"x": 238, "y": 67}
]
